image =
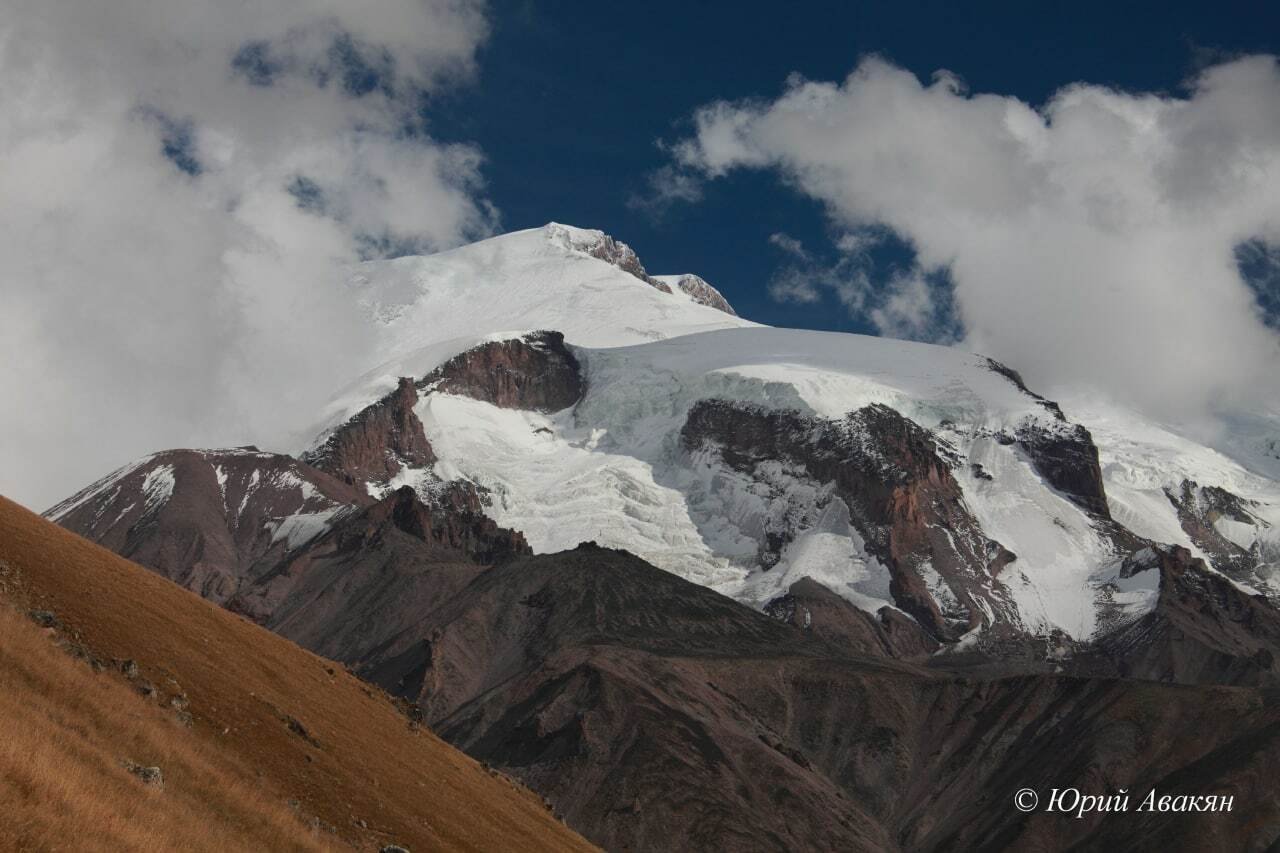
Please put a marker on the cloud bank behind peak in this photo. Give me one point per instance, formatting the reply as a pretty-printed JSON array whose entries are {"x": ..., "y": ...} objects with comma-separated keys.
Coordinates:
[
  {"x": 1092, "y": 241},
  {"x": 183, "y": 187}
]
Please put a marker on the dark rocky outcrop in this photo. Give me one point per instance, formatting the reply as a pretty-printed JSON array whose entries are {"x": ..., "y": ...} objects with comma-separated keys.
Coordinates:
[
  {"x": 44, "y": 618},
  {"x": 454, "y": 526},
  {"x": 900, "y": 492},
  {"x": 1204, "y": 628},
  {"x": 620, "y": 255},
  {"x": 1199, "y": 509},
  {"x": 811, "y": 607},
  {"x": 537, "y": 372},
  {"x": 617, "y": 253},
  {"x": 1065, "y": 455},
  {"x": 359, "y": 583},
  {"x": 701, "y": 292},
  {"x": 1016, "y": 378},
  {"x": 149, "y": 775},
  {"x": 1062, "y": 452},
  {"x": 377, "y": 442}
]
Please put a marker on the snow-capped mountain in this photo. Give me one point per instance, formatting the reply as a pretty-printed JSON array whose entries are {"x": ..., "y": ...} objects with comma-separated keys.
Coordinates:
[
  {"x": 582, "y": 283},
  {"x": 575, "y": 397}
]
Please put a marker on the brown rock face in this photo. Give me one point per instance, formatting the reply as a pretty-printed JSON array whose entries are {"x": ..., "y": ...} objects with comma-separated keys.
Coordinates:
[
  {"x": 704, "y": 294},
  {"x": 457, "y": 527},
  {"x": 899, "y": 490},
  {"x": 1204, "y": 629},
  {"x": 811, "y": 607},
  {"x": 659, "y": 715},
  {"x": 211, "y": 520},
  {"x": 537, "y": 372},
  {"x": 377, "y": 569},
  {"x": 374, "y": 445},
  {"x": 623, "y": 257},
  {"x": 1198, "y": 509}
]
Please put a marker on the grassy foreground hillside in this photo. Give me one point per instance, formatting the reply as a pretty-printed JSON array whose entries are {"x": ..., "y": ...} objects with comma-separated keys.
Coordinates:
[{"x": 106, "y": 669}]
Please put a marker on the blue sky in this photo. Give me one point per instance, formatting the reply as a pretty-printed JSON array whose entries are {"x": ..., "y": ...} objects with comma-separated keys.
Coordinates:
[
  {"x": 182, "y": 181},
  {"x": 571, "y": 98}
]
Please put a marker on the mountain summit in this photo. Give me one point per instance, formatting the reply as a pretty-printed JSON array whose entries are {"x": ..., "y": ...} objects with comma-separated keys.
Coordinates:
[{"x": 579, "y": 398}]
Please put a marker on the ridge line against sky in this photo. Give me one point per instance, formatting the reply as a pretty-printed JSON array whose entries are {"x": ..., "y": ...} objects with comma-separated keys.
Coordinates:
[{"x": 184, "y": 189}]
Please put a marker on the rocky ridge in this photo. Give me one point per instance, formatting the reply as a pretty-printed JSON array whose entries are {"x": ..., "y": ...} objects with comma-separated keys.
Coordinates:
[
  {"x": 211, "y": 520},
  {"x": 699, "y": 290},
  {"x": 378, "y": 442},
  {"x": 536, "y": 371},
  {"x": 900, "y": 493}
]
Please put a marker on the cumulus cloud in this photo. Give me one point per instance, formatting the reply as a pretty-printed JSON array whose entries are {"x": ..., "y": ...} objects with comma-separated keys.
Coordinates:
[
  {"x": 1091, "y": 241},
  {"x": 184, "y": 185}
]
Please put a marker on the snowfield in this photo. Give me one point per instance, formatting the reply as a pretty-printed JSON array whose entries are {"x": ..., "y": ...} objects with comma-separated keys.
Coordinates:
[
  {"x": 428, "y": 309},
  {"x": 613, "y": 470}
]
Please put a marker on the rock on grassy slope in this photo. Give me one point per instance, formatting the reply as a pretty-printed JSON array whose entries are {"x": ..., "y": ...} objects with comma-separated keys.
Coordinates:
[{"x": 262, "y": 745}]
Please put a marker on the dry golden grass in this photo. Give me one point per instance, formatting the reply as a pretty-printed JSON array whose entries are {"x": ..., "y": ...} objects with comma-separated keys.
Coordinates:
[
  {"x": 272, "y": 723},
  {"x": 63, "y": 786}
]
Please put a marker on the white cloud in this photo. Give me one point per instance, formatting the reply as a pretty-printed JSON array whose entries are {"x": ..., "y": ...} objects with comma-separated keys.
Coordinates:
[
  {"x": 162, "y": 285},
  {"x": 1090, "y": 241}
]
